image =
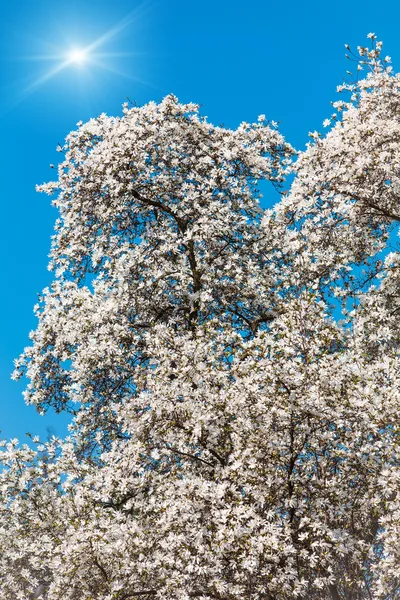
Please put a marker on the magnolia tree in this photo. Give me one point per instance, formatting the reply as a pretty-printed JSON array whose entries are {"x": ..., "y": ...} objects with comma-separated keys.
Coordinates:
[{"x": 232, "y": 373}]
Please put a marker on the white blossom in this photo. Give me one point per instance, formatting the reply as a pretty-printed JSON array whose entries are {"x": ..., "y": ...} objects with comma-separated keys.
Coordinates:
[{"x": 231, "y": 438}]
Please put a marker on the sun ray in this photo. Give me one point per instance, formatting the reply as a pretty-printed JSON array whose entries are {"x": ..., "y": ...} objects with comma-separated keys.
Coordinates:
[
  {"x": 120, "y": 26},
  {"x": 128, "y": 76},
  {"x": 49, "y": 75},
  {"x": 87, "y": 54}
]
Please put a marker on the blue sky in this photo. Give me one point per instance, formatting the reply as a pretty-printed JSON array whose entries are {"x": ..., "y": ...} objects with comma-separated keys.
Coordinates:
[{"x": 237, "y": 59}]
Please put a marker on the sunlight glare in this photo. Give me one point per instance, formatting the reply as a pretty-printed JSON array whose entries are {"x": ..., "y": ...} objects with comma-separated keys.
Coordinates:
[
  {"x": 78, "y": 56},
  {"x": 89, "y": 54}
]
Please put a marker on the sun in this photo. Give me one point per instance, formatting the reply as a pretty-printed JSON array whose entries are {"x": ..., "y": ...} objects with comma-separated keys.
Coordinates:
[{"x": 78, "y": 56}]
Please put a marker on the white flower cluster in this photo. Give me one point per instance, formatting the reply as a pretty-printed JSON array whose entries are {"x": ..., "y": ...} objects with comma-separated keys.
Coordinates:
[{"x": 230, "y": 439}]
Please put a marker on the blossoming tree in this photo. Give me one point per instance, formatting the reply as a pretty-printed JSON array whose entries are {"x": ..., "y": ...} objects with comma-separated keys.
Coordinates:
[{"x": 231, "y": 438}]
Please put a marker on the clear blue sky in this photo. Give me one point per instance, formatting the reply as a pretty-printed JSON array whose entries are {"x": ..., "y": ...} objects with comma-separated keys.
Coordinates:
[{"x": 237, "y": 59}]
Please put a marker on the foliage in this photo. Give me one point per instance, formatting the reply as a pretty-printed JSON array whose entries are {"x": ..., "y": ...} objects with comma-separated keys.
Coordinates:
[{"x": 231, "y": 439}]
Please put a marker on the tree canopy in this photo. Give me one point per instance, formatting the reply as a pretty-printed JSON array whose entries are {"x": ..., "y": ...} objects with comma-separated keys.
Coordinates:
[{"x": 232, "y": 372}]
